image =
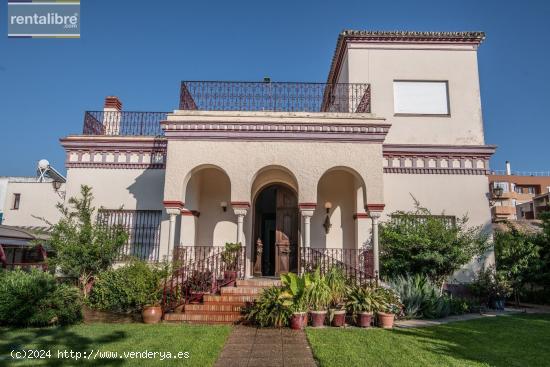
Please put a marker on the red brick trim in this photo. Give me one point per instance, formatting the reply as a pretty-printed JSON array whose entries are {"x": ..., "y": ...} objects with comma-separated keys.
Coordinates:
[
  {"x": 375, "y": 207},
  {"x": 190, "y": 213},
  {"x": 173, "y": 204},
  {"x": 360, "y": 216},
  {"x": 307, "y": 205},
  {"x": 240, "y": 204}
]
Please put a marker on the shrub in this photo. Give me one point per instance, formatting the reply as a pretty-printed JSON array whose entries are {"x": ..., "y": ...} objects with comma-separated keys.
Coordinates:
[
  {"x": 490, "y": 285},
  {"x": 129, "y": 288},
  {"x": 418, "y": 242},
  {"x": 420, "y": 297},
  {"x": 35, "y": 299},
  {"x": 269, "y": 309},
  {"x": 389, "y": 301},
  {"x": 363, "y": 299}
]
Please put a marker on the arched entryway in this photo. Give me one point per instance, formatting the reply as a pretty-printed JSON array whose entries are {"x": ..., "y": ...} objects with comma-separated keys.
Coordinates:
[{"x": 276, "y": 226}]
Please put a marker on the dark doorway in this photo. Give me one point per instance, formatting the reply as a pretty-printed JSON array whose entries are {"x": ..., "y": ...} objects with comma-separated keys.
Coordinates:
[{"x": 276, "y": 226}]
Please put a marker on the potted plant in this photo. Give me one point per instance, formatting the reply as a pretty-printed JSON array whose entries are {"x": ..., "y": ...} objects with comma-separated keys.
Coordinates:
[
  {"x": 294, "y": 294},
  {"x": 390, "y": 305},
  {"x": 362, "y": 302},
  {"x": 318, "y": 297},
  {"x": 230, "y": 259},
  {"x": 152, "y": 311},
  {"x": 336, "y": 282}
]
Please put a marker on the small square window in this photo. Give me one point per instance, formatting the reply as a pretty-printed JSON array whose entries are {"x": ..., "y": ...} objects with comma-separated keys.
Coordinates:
[{"x": 16, "y": 201}]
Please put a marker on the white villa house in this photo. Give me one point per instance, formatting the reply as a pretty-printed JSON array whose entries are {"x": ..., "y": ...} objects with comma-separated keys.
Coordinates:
[{"x": 296, "y": 171}]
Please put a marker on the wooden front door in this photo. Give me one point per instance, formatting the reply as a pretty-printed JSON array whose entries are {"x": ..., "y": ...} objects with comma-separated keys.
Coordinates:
[{"x": 286, "y": 231}]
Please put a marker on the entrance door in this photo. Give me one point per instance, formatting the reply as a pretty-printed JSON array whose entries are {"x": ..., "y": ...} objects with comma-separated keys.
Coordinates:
[{"x": 276, "y": 227}]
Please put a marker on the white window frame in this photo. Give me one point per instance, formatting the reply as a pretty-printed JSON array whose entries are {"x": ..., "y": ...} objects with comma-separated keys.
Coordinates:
[{"x": 400, "y": 112}]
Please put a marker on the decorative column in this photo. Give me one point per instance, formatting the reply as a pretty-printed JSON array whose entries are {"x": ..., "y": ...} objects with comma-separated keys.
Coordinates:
[
  {"x": 375, "y": 211},
  {"x": 241, "y": 209},
  {"x": 307, "y": 213},
  {"x": 173, "y": 208}
]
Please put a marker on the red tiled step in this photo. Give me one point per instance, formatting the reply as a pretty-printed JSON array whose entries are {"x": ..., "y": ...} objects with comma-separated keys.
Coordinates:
[
  {"x": 204, "y": 318},
  {"x": 246, "y": 291},
  {"x": 214, "y": 307},
  {"x": 228, "y": 298},
  {"x": 258, "y": 282}
]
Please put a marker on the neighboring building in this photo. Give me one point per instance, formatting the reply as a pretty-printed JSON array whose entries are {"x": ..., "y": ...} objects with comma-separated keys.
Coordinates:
[
  {"x": 295, "y": 171},
  {"x": 532, "y": 209},
  {"x": 515, "y": 188}
]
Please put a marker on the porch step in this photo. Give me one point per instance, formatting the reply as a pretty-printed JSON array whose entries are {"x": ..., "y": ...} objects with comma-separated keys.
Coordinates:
[
  {"x": 258, "y": 282},
  {"x": 243, "y": 299},
  {"x": 226, "y": 317},
  {"x": 244, "y": 291},
  {"x": 214, "y": 307}
]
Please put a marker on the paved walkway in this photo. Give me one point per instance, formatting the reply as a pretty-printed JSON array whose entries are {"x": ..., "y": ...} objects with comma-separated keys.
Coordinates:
[
  {"x": 471, "y": 316},
  {"x": 252, "y": 347}
]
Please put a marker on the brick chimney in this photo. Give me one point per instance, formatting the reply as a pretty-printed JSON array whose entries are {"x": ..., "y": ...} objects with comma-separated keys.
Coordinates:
[
  {"x": 112, "y": 103},
  {"x": 112, "y": 114}
]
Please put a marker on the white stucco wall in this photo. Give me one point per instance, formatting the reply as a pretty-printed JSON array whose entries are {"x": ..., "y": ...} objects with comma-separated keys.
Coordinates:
[
  {"x": 38, "y": 200},
  {"x": 131, "y": 189},
  {"x": 455, "y": 195},
  {"x": 380, "y": 64}
]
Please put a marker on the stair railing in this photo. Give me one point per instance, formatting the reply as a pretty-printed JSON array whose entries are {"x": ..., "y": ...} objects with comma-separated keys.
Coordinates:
[
  {"x": 199, "y": 270},
  {"x": 357, "y": 264}
]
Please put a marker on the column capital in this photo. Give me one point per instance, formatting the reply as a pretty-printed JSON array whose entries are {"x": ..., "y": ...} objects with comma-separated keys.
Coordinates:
[
  {"x": 173, "y": 211},
  {"x": 307, "y": 213},
  {"x": 240, "y": 212}
]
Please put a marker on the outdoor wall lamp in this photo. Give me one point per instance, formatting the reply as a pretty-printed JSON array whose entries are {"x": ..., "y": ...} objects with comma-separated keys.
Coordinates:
[
  {"x": 326, "y": 223},
  {"x": 223, "y": 204},
  {"x": 497, "y": 193}
]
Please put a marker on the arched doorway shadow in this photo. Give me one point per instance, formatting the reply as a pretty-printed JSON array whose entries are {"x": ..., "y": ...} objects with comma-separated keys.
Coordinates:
[{"x": 276, "y": 225}]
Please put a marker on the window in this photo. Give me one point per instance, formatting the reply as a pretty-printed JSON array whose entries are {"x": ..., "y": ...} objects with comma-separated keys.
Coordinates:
[
  {"x": 531, "y": 190},
  {"x": 421, "y": 97},
  {"x": 16, "y": 201},
  {"x": 143, "y": 228},
  {"x": 503, "y": 185}
]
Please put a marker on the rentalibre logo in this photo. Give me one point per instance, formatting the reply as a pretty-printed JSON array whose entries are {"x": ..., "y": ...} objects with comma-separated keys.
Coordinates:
[{"x": 43, "y": 19}]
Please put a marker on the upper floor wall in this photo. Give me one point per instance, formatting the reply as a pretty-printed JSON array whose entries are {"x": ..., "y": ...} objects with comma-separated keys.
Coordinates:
[{"x": 426, "y": 84}]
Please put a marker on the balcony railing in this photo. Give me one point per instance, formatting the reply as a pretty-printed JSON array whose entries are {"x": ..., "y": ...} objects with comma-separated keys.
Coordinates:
[
  {"x": 275, "y": 96},
  {"x": 123, "y": 123}
]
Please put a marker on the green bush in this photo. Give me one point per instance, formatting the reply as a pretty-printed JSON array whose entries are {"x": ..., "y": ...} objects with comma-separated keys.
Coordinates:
[
  {"x": 420, "y": 297},
  {"x": 129, "y": 288},
  {"x": 35, "y": 299},
  {"x": 269, "y": 310}
]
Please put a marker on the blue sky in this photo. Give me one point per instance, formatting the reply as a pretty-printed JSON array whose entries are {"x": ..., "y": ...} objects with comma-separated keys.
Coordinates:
[{"x": 140, "y": 50}]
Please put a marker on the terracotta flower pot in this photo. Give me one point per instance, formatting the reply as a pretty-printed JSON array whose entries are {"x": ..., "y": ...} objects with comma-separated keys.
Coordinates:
[
  {"x": 151, "y": 314},
  {"x": 229, "y": 278},
  {"x": 298, "y": 320},
  {"x": 339, "y": 318},
  {"x": 365, "y": 319},
  {"x": 385, "y": 320},
  {"x": 318, "y": 318}
]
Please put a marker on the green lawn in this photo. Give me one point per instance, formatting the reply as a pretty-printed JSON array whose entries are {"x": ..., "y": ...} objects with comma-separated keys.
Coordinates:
[
  {"x": 522, "y": 340},
  {"x": 203, "y": 343}
]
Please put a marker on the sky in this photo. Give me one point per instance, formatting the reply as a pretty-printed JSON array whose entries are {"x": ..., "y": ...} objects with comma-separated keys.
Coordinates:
[{"x": 141, "y": 50}]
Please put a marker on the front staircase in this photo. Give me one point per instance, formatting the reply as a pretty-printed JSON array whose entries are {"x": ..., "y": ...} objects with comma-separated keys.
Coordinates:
[{"x": 223, "y": 308}]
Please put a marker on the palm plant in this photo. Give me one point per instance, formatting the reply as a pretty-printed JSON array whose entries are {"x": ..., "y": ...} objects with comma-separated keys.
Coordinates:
[
  {"x": 363, "y": 299},
  {"x": 336, "y": 282},
  {"x": 318, "y": 295}
]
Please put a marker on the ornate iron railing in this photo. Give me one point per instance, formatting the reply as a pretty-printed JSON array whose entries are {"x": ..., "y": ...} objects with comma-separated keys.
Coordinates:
[
  {"x": 123, "y": 123},
  {"x": 200, "y": 270},
  {"x": 275, "y": 96},
  {"x": 357, "y": 264}
]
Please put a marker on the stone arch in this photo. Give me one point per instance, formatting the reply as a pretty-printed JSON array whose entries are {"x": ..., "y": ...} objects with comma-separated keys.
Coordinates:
[
  {"x": 345, "y": 189},
  {"x": 272, "y": 174},
  {"x": 205, "y": 188}
]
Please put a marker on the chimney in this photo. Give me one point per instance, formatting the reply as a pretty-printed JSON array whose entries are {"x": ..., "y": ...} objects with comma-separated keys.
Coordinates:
[
  {"x": 112, "y": 111},
  {"x": 508, "y": 168},
  {"x": 112, "y": 103}
]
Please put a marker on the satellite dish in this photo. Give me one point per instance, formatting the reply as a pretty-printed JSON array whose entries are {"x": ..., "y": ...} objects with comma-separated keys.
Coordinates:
[{"x": 43, "y": 164}]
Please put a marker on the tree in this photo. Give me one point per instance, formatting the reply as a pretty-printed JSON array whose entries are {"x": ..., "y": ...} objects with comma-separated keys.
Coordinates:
[
  {"x": 517, "y": 255},
  {"x": 417, "y": 242},
  {"x": 84, "y": 247}
]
